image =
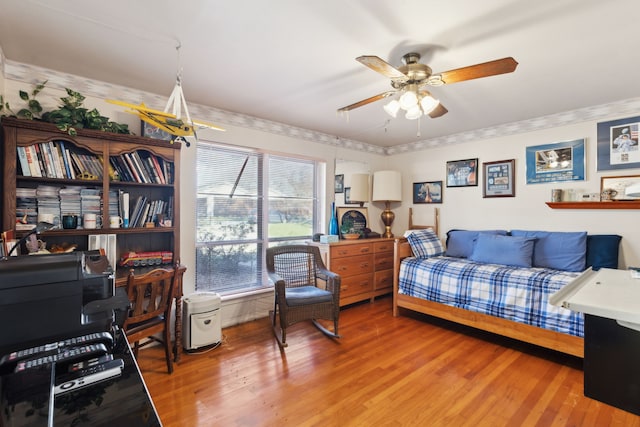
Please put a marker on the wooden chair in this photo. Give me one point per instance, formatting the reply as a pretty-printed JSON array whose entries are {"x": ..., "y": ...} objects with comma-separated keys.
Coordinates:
[
  {"x": 151, "y": 297},
  {"x": 304, "y": 289}
]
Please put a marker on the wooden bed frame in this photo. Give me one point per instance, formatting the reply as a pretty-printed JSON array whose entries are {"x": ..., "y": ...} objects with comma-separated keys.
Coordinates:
[{"x": 531, "y": 334}]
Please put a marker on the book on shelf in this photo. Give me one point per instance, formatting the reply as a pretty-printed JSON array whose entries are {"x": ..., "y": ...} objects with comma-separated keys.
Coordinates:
[
  {"x": 24, "y": 163},
  {"x": 32, "y": 158}
]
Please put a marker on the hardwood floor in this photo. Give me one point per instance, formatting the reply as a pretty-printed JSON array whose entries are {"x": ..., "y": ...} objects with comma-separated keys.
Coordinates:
[{"x": 385, "y": 371}]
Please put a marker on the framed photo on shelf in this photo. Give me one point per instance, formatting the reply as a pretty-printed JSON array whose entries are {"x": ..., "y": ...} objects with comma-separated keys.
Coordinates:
[
  {"x": 339, "y": 184},
  {"x": 462, "y": 173},
  {"x": 427, "y": 192},
  {"x": 151, "y": 131},
  {"x": 358, "y": 216},
  {"x": 557, "y": 162},
  {"x": 616, "y": 186},
  {"x": 618, "y": 144},
  {"x": 499, "y": 178}
]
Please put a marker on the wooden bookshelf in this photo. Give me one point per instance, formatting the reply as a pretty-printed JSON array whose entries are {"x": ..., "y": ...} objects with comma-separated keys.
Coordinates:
[{"x": 100, "y": 148}]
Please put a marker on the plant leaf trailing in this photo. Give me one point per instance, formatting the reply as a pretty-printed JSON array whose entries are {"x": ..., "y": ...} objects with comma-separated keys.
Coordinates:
[{"x": 69, "y": 117}]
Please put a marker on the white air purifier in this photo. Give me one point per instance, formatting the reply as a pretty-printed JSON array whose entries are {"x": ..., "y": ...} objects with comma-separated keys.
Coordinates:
[{"x": 201, "y": 320}]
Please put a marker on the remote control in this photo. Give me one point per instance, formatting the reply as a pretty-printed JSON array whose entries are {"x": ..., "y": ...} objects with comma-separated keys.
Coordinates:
[
  {"x": 54, "y": 347},
  {"x": 67, "y": 355},
  {"x": 92, "y": 375}
]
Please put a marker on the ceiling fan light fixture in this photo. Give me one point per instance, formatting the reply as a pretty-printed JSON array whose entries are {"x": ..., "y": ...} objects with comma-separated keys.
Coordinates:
[
  {"x": 413, "y": 113},
  {"x": 428, "y": 103},
  {"x": 392, "y": 108},
  {"x": 408, "y": 100}
]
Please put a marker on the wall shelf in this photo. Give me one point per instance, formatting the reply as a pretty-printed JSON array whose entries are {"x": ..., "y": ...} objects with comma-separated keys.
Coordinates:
[{"x": 613, "y": 204}]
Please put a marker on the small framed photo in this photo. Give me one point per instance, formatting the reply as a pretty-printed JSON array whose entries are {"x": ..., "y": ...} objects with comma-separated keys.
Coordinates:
[
  {"x": 151, "y": 131},
  {"x": 339, "y": 184},
  {"x": 499, "y": 178},
  {"x": 462, "y": 173},
  {"x": 557, "y": 162},
  {"x": 618, "y": 146},
  {"x": 427, "y": 192},
  {"x": 615, "y": 187}
]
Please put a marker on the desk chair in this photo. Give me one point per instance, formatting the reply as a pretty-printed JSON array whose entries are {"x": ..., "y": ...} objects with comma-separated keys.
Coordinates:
[
  {"x": 151, "y": 297},
  {"x": 304, "y": 289}
]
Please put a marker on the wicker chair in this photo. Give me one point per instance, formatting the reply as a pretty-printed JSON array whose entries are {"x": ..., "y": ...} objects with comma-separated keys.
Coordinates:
[
  {"x": 151, "y": 297},
  {"x": 304, "y": 289}
]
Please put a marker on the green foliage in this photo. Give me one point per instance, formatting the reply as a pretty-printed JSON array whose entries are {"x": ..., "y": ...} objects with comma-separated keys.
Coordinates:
[
  {"x": 71, "y": 116},
  {"x": 33, "y": 108}
]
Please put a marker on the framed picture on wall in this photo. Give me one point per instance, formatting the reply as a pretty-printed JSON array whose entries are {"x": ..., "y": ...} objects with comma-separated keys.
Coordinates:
[
  {"x": 557, "y": 162},
  {"x": 618, "y": 144},
  {"x": 339, "y": 184},
  {"x": 427, "y": 192},
  {"x": 462, "y": 173},
  {"x": 615, "y": 187},
  {"x": 499, "y": 178}
]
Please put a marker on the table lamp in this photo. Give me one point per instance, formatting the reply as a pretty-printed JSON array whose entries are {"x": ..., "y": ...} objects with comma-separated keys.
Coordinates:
[
  {"x": 387, "y": 187},
  {"x": 359, "y": 192}
]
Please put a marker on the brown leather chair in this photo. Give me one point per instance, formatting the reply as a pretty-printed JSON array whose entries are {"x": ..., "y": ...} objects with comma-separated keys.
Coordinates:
[
  {"x": 151, "y": 297},
  {"x": 304, "y": 289}
]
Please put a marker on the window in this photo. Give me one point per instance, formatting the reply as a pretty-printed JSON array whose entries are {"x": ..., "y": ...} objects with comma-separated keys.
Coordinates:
[{"x": 247, "y": 201}]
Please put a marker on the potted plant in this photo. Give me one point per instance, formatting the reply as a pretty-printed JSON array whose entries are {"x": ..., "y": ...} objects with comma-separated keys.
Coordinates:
[{"x": 348, "y": 230}]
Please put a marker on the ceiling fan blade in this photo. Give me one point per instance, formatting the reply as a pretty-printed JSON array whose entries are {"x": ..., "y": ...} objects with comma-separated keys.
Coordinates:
[
  {"x": 440, "y": 110},
  {"x": 486, "y": 69},
  {"x": 383, "y": 67},
  {"x": 366, "y": 101}
]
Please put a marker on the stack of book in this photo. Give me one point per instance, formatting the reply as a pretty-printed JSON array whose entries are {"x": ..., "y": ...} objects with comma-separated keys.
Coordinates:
[
  {"x": 26, "y": 208},
  {"x": 142, "y": 166},
  {"x": 90, "y": 201},
  {"x": 145, "y": 211},
  {"x": 70, "y": 200},
  {"x": 56, "y": 159},
  {"x": 48, "y": 200}
]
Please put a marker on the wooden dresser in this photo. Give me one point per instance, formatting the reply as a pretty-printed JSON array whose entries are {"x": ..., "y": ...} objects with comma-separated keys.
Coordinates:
[{"x": 365, "y": 267}]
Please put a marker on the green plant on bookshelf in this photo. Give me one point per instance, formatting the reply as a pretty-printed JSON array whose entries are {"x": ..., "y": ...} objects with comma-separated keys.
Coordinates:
[
  {"x": 33, "y": 108},
  {"x": 72, "y": 115}
]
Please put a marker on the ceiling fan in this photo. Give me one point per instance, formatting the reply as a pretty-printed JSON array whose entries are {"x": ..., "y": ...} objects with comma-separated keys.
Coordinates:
[{"x": 411, "y": 79}]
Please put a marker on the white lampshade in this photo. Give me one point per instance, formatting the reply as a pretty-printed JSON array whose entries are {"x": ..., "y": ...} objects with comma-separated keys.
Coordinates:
[
  {"x": 387, "y": 186},
  {"x": 633, "y": 190},
  {"x": 413, "y": 113},
  {"x": 359, "y": 187},
  {"x": 408, "y": 99},
  {"x": 428, "y": 103},
  {"x": 392, "y": 108}
]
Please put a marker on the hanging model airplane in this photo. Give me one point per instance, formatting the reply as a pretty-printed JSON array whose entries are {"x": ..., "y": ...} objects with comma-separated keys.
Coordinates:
[{"x": 170, "y": 122}]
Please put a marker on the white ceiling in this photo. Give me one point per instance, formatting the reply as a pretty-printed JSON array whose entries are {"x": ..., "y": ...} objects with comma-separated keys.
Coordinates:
[{"x": 293, "y": 61}]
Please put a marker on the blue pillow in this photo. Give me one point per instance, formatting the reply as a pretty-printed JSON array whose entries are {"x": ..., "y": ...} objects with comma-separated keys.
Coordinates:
[
  {"x": 557, "y": 249},
  {"x": 460, "y": 243},
  {"x": 424, "y": 243},
  {"x": 505, "y": 250},
  {"x": 602, "y": 250}
]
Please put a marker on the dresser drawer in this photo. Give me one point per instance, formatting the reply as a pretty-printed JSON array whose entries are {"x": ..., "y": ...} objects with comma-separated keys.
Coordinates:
[
  {"x": 383, "y": 261},
  {"x": 354, "y": 285},
  {"x": 383, "y": 280},
  {"x": 340, "y": 251},
  {"x": 386, "y": 246},
  {"x": 353, "y": 265}
]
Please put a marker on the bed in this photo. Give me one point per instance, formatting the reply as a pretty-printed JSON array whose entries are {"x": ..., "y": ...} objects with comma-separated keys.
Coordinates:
[{"x": 466, "y": 291}]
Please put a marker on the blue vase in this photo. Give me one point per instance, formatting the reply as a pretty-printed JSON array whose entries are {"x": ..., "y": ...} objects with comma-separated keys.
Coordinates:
[{"x": 333, "y": 222}]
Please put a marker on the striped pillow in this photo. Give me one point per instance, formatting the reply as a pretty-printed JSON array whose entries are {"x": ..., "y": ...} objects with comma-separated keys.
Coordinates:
[{"x": 424, "y": 243}]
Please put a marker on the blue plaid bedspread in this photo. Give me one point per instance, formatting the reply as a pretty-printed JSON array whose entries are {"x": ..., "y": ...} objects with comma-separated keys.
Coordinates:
[{"x": 514, "y": 293}]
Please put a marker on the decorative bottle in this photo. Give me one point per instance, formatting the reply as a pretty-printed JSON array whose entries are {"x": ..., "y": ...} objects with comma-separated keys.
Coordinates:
[{"x": 333, "y": 222}]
